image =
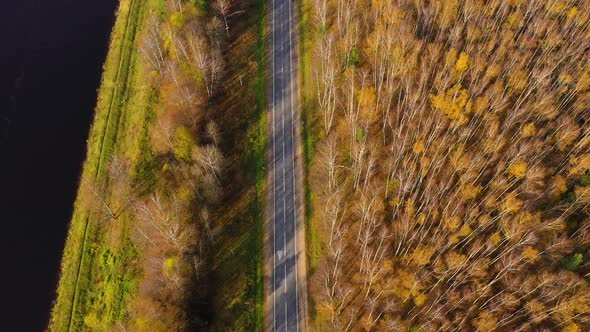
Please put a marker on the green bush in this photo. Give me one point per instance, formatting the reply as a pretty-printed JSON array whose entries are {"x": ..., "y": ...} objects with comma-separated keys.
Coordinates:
[
  {"x": 354, "y": 58},
  {"x": 585, "y": 181},
  {"x": 183, "y": 144},
  {"x": 573, "y": 262}
]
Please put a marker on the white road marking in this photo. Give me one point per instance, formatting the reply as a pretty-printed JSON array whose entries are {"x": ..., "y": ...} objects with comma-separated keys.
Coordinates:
[
  {"x": 287, "y": 87},
  {"x": 274, "y": 265}
]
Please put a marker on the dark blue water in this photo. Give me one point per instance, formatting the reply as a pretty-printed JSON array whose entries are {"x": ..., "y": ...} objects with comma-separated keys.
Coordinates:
[{"x": 51, "y": 53}]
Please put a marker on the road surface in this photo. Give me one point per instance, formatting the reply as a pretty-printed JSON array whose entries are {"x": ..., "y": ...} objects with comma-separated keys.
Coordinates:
[{"x": 286, "y": 282}]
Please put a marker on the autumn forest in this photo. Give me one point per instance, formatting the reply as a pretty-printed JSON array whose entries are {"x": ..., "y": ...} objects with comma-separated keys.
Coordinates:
[
  {"x": 452, "y": 165},
  {"x": 444, "y": 148}
]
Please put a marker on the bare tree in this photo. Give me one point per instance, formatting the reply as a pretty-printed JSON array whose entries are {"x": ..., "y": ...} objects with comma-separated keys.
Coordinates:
[
  {"x": 163, "y": 223},
  {"x": 213, "y": 132},
  {"x": 152, "y": 47},
  {"x": 210, "y": 158},
  {"x": 224, "y": 7}
]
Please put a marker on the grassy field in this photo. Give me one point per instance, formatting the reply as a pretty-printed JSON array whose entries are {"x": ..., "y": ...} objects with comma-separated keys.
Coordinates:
[{"x": 98, "y": 271}]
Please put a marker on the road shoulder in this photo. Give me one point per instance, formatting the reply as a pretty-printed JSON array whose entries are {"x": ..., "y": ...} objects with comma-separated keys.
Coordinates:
[{"x": 299, "y": 175}]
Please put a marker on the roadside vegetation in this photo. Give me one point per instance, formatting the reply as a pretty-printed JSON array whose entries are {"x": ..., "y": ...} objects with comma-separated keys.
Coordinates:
[
  {"x": 309, "y": 130},
  {"x": 451, "y": 177},
  {"x": 173, "y": 170}
]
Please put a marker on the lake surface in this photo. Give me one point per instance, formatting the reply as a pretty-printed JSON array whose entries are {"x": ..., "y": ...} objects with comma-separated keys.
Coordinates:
[{"x": 50, "y": 65}]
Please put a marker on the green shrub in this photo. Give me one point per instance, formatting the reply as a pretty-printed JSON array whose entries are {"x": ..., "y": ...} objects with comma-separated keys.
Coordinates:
[
  {"x": 585, "y": 181},
  {"x": 183, "y": 144},
  {"x": 354, "y": 58},
  {"x": 572, "y": 262},
  {"x": 361, "y": 134}
]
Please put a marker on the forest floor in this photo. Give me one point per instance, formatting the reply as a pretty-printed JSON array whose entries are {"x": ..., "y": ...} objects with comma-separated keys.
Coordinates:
[{"x": 237, "y": 263}]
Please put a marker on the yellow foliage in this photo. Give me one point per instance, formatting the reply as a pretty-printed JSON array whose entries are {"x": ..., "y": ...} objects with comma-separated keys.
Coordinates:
[
  {"x": 405, "y": 284},
  {"x": 422, "y": 254},
  {"x": 464, "y": 231},
  {"x": 546, "y": 107},
  {"x": 492, "y": 71},
  {"x": 452, "y": 223},
  {"x": 462, "y": 63},
  {"x": 424, "y": 165},
  {"x": 518, "y": 81},
  {"x": 169, "y": 46},
  {"x": 324, "y": 309},
  {"x": 454, "y": 260},
  {"x": 485, "y": 322},
  {"x": 418, "y": 147},
  {"x": 421, "y": 219},
  {"x": 529, "y": 219},
  {"x": 169, "y": 266},
  {"x": 481, "y": 105},
  {"x": 536, "y": 310},
  {"x": 516, "y": 3},
  {"x": 470, "y": 192},
  {"x": 177, "y": 20},
  {"x": 483, "y": 219},
  {"x": 572, "y": 327},
  {"x": 448, "y": 11},
  {"x": 453, "y": 239},
  {"x": 529, "y": 130},
  {"x": 454, "y": 104},
  {"x": 518, "y": 169},
  {"x": 451, "y": 58},
  {"x": 394, "y": 202},
  {"x": 565, "y": 78},
  {"x": 514, "y": 20},
  {"x": 530, "y": 253},
  {"x": 583, "y": 143},
  {"x": 583, "y": 83},
  {"x": 410, "y": 207},
  {"x": 490, "y": 202},
  {"x": 559, "y": 184},
  {"x": 567, "y": 135},
  {"x": 479, "y": 268},
  {"x": 473, "y": 33},
  {"x": 458, "y": 159},
  {"x": 566, "y": 310},
  {"x": 420, "y": 299},
  {"x": 511, "y": 203},
  {"x": 580, "y": 164},
  {"x": 495, "y": 238},
  {"x": 367, "y": 97},
  {"x": 556, "y": 7},
  {"x": 582, "y": 194}
]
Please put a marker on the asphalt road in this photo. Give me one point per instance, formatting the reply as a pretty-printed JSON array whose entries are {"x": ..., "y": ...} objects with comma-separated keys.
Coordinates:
[{"x": 286, "y": 309}]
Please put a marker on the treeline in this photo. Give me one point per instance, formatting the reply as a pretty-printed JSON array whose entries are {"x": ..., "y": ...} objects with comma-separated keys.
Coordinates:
[
  {"x": 454, "y": 165},
  {"x": 183, "y": 48},
  {"x": 170, "y": 191}
]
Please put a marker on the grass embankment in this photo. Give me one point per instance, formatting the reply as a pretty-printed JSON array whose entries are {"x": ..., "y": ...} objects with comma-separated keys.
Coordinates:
[
  {"x": 98, "y": 272},
  {"x": 309, "y": 130},
  {"x": 310, "y": 137},
  {"x": 238, "y": 261}
]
